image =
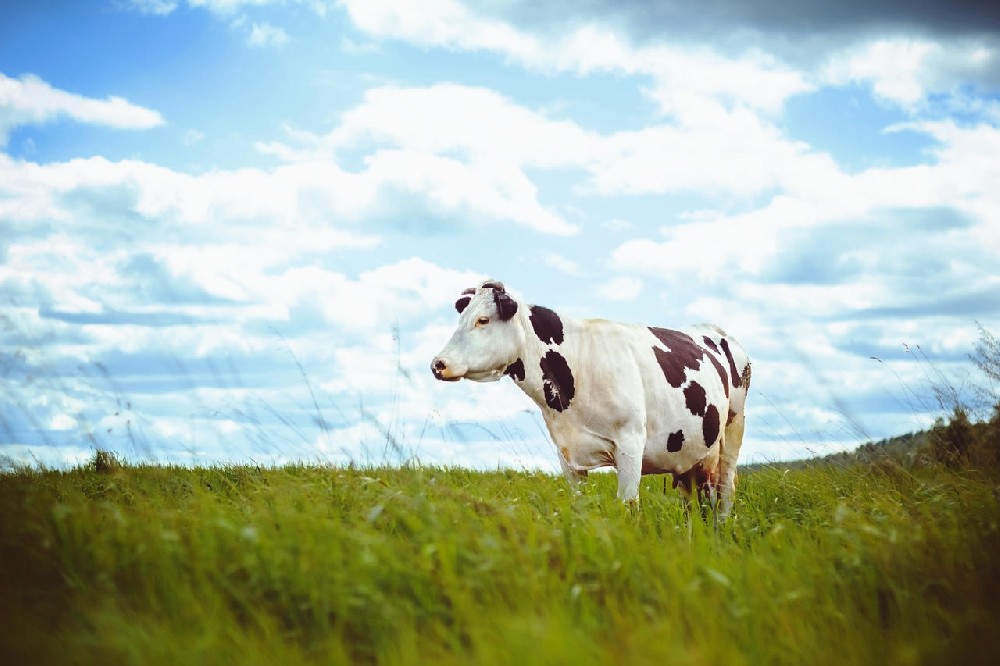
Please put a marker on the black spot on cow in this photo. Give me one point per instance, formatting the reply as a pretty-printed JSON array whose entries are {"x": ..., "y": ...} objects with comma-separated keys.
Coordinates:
[
  {"x": 506, "y": 306},
  {"x": 557, "y": 381},
  {"x": 695, "y": 398},
  {"x": 515, "y": 370},
  {"x": 710, "y": 425},
  {"x": 733, "y": 372},
  {"x": 722, "y": 373},
  {"x": 684, "y": 355},
  {"x": 732, "y": 415},
  {"x": 674, "y": 441},
  {"x": 673, "y": 372},
  {"x": 547, "y": 324},
  {"x": 710, "y": 343},
  {"x": 745, "y": 379}
]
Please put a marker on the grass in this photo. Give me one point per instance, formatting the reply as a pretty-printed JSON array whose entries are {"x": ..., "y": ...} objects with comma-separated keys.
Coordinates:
[{"x": 827, "y": 564}]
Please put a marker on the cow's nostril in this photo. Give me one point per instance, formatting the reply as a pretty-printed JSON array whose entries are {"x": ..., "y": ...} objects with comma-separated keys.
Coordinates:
[{"x": 439, "y": 364}]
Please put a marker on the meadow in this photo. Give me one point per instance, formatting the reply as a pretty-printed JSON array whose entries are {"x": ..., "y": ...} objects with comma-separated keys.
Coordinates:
[{"x": 823, "y": 564}]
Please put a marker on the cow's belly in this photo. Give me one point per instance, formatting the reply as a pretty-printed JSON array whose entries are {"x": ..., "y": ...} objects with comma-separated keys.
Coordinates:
[
  {"x": 674, "y": 444},
  {"x": 587, "y": 452}
]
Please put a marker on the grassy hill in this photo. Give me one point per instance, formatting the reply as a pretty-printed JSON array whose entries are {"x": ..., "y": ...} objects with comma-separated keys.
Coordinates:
[
  {"x": 909, "y": 450},
  {"x": 824, "y": 564},
  {"x": 957, "y": 442}
]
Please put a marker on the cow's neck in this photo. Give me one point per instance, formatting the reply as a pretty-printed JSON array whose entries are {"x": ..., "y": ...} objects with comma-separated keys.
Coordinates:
[{"x": 543, "y": 369}]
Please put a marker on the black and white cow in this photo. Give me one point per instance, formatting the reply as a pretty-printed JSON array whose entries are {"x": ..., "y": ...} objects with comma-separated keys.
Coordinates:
[{"x": 644, "y": 400}]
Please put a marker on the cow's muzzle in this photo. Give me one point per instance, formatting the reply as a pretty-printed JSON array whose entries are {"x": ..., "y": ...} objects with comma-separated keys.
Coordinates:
[{"x": 443, "y": 371}]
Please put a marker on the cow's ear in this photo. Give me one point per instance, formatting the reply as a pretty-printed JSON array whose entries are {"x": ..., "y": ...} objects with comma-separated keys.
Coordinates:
[
  {"x": 464, "y": 300},
  {"x": 506, "y": 306}
]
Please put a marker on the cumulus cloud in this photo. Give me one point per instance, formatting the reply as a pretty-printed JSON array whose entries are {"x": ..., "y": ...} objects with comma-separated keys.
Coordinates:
[
  {"x": 958, "y": 183},
  {"x": 432, "y": 139},
  {"x": 752, "y": 78},
  {"x": 905, "y": 70},
  {"x": 769, "y": 17},
  {"x": 30, "y": 100},
  {"x": 746, "y": 65}
]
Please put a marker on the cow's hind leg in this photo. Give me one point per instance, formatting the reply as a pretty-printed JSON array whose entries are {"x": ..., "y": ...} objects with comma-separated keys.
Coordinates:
[
  {"x": 700, "y": 485},
  {"x": 733, "y": 440}
]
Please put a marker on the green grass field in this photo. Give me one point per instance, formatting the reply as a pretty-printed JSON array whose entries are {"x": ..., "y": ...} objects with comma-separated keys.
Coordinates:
[{"x": 827, "y": 564}]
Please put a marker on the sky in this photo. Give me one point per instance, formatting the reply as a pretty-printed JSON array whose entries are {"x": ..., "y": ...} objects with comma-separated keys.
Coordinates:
[{"x": 233, "y": 231}]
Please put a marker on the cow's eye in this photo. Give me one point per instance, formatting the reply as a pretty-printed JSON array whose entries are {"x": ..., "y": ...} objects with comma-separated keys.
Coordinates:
[{"x": 482, "y": 321}]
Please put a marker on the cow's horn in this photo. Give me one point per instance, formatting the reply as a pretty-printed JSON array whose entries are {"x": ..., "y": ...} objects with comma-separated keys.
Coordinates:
[{"x": 494, "y": 284}]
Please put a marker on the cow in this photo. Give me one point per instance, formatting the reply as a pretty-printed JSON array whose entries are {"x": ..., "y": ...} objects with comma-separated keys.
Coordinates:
[{"x": 641, "y": 399}]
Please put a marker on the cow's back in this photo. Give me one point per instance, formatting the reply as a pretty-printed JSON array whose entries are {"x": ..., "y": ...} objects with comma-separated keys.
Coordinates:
[{"x": 669, "y": 385}]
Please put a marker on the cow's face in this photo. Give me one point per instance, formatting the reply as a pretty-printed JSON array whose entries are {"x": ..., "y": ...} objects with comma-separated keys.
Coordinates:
[{"x": 487, "y": 339}]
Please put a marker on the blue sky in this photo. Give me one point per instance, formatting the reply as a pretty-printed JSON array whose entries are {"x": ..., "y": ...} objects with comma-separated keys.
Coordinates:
[{"x": 233, "y": 230}]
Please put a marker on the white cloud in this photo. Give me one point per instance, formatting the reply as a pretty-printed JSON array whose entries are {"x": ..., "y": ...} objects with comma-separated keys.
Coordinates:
[
  {"x": 221, "y": 7},
  {"x": 48, "y": 457},
  {"x": 230, "y": 6},
  {"x": 562, "y": 264},
  {"x": 265, "y": 34},
  {"x": 378, "y": 300},
  {"x": 193, "y": 137},
  {"x": 358, "y": 48},
  {"x": 432, "y": 140},
  {"x": 685, "y": 80},
  {"x": 733, "y": 152},
  {"x": 29, "y": 100},
  {"x": 906, "y": 70},
  {"x": 157, "y": 7},
  {"x": 440, "y": 23},
  {"x": 617, "y": 225},
  {"x": 291, "y": 195},
  {"x": 621, "y": 288},
  {"x": 492, "y": 189},
  {"x": 475, "y": 122},
  {"x": 713, "y": 248}
]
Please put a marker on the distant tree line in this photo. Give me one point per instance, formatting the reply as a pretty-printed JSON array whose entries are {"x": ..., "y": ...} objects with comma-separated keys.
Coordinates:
[
  {"x": 956, "y": 441},
  {"x": 961, "y": 443}
]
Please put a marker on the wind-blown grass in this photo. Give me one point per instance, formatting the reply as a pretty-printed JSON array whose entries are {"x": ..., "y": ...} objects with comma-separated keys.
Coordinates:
[{"x": 825, "y": 564}]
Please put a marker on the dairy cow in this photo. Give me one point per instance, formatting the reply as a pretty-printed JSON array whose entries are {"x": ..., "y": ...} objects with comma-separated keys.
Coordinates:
[{"x": 642, "y": 399}]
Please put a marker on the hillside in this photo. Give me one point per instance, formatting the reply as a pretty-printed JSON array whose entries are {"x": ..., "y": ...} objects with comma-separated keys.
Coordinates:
[
  {"x": 904, "y": 449},
  {"x": 956, "y": 441}
]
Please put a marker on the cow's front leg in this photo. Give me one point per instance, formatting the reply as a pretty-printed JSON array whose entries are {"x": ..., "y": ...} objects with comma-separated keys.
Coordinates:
[
  {"x": 573, "y": 475},
  {"x": 628, "y": 462}
]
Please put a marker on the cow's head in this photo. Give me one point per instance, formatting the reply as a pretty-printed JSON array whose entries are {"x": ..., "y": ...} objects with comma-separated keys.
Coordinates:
[{"x": 486, "y": 341}]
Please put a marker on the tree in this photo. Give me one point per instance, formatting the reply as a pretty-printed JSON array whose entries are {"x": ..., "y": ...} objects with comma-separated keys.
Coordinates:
[
  {"x": 951, "y": 442},
  {"x": 985, "y": 451}
]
